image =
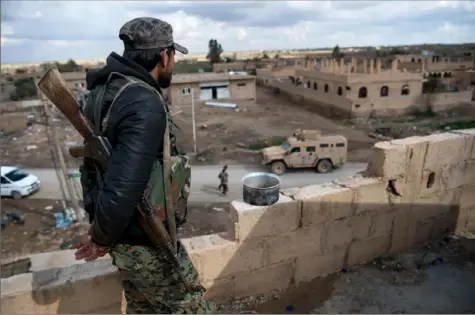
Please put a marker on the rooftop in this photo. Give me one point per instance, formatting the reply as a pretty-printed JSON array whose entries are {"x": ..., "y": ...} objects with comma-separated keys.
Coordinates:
[{"x": 208, "y": 77}]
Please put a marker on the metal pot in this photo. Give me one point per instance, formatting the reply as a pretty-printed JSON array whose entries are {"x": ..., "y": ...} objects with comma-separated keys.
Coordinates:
[{"x": 261, "y": 189}]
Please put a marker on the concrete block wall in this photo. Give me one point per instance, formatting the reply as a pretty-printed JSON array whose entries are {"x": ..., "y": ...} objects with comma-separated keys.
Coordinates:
[{"x": 414, "y": 190}]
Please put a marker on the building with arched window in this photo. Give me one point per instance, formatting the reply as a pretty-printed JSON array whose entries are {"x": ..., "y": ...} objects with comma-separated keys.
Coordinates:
[{"x": 363, "y": 88}]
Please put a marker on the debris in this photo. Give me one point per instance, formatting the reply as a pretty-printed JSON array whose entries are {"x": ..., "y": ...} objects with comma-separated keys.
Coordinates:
[
  {"x": 241, "y": 145},
  {"x": 31, "y": 147},
  {"x": 12, "y": 217},
  {"x": 48, "y": 208},
  {"x": 379, "y": 136},
  {"x": 219, "y": 104}
]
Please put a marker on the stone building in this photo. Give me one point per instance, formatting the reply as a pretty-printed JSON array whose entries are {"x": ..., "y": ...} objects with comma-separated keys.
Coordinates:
[
  {"x": 211, "y": 86},
  {"x": 362, "y": 88}
]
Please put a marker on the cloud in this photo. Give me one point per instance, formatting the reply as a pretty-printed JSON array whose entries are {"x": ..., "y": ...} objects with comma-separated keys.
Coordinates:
[{"x": 58, "y": 30}]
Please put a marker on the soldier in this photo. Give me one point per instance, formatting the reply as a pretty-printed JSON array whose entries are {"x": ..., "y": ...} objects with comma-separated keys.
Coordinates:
[
  {"x": 223, "y": 177},
  {"x": 126, "y": 106}
]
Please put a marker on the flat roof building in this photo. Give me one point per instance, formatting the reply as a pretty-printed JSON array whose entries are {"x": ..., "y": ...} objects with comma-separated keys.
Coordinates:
[{"x": 208, "y": 86}]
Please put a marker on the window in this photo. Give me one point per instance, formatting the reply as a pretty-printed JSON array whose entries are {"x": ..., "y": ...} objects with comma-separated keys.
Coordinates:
[
  {"x": 4, "y": 180},
  {"x": 308, "y": 84},
  {"x": 295, "y": 150},
  {"x": 340, "y": 91},
  {"x": 348, "y": 88},
  {"x": 186, "y": 90},
  {"x": 241, "y": 84},
  {"x": 357, "y": 106},
  {"x": 310, "y": 149},
  {"x": 315, "y": 86},
  {"x": 405, "y": 90},
  {"x": 340, "y": 145},
  {"x": 363, "y": 92},
  {"x": 384, "y": 91},
  {"x": 324, "y": 145},
  {"x": 325, "y": 88}
]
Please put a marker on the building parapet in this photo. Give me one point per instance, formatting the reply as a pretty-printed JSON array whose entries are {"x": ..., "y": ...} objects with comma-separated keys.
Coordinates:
[{"x": 413, "y": 191}]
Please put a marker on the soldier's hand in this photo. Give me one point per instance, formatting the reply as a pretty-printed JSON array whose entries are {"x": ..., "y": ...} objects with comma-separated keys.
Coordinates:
[{"x": 88, "y": 250}]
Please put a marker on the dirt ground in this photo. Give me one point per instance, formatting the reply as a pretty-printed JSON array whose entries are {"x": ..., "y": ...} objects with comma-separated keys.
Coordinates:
[
  {"x": 39, "y": 233},
  {"x": 224, "y": 135}
]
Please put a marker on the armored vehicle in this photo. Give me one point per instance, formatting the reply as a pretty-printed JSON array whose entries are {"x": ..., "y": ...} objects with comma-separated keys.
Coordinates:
[{"x": 307, "y": 149}]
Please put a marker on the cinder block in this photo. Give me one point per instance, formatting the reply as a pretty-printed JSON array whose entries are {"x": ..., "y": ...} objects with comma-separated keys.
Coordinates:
[
  {"x": 467, "y": 196},
  {"x": 311, "y": 266},
  {"x": 361, "y": 251},
  {"x": 424, "y": 231},
  {"x": 445, "y": 224},
  {"x": 470, "y": 227},
  {"x": 470, "y": 133},
  {"x": 388, "y": 160},
  {"x": 64, "y": 290},
  {"x": 458, "y": 175},
  {"x": 323, "y": 203},
  {"x": 227, "y": 258},
  {"x": 447, "y": 149},
  {"x": 265, "y": 280},
  {"x": 410, "y": 187},
  {"x": 254, "y": 222},
  {"x": 341, "y": 233},
  {"x": 370, "y": 193},
  {"x": 381, "y": 223},
  {"x": 436, "y": 204},
  {"x": 294, "y": 244},
  {"x": 404, "y": 230},
  {"x": 219, "y": 290}
]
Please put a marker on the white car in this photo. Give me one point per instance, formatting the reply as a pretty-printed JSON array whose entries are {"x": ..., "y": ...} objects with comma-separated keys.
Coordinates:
[{"x": 17, "y": 183}]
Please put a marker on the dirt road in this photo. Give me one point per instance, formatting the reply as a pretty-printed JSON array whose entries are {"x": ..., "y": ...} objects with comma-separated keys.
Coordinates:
[{"x": 204, "y": 180}]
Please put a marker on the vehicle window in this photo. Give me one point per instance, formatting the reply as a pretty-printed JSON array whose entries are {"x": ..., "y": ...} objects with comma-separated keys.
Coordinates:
[
  {"x": 285, "y": 146},
  {"x": 324, "y": 145},
  {"x": 310, "y": 149},
  {"x": 295, "y": 150},
  {"x": 4, "y": 180},
  {"x": 16, "y": 175},
  {"x": 340, "y": 145}
]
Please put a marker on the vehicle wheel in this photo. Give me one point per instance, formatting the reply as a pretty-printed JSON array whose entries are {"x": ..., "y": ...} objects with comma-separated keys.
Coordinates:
[
  {"x": 278, "y": 168},
  {"x": 16, "y": 195},
  {"x": 324, "y": 166}
]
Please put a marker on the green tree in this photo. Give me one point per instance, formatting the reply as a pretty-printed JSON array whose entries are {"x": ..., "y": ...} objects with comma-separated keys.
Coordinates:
[
  {"x": 25, "y": 88},
  {"x": 336, "y": 53},
  {"x": 265, "y": 55},
  {"x": 69, "y": 66},
  {"x": 214, "y": 51}
]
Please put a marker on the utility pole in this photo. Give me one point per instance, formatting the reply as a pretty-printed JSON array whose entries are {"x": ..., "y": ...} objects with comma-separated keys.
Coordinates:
[
  {"x": 62, "y": 163},
  {"x": 193, "y": 118}
]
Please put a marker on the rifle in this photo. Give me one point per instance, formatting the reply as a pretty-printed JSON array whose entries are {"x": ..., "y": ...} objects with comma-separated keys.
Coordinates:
[{"x": 99, "y": 148}]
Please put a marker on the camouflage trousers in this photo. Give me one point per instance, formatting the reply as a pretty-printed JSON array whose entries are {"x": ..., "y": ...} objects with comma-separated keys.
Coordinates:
[{"x": 152, "y": 286}]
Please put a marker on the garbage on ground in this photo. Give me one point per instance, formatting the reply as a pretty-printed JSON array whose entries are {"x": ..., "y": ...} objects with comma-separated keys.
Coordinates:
[
  {"x": 67, "y": 217},
  {"x": 12, "y": 217}
]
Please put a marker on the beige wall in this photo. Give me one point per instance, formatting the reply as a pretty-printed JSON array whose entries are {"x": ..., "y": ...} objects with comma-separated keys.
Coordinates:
[
  {"x": 238, "y": 93},
  {"x": 316, "y": 231},
  {"x": 351, "y": 79}
]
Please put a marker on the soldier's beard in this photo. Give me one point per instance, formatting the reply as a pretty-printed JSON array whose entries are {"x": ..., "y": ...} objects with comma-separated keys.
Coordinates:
[{"x": 164, "y": 80}]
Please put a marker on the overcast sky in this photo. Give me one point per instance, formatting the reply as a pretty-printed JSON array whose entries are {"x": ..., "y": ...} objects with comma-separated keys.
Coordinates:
[{"x": 57, "y": 30}]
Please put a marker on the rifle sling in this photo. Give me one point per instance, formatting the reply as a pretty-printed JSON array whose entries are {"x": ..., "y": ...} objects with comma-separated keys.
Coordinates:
[{"x": 170, "y": 213}]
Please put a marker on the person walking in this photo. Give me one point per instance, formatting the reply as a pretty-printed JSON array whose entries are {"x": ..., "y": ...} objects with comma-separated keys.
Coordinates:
[{"x": 223, "y": 177}]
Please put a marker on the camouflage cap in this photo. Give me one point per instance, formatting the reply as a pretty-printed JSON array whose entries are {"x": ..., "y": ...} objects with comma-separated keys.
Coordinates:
[{"x": 149, "y": 33}]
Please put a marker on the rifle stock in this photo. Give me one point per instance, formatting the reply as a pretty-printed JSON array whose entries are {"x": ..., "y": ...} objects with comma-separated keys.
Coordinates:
[
  {"x": 97, "y": 147},
  {"x": 79, "y": 151},
  {"x": 53, "y": 86}
]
